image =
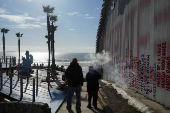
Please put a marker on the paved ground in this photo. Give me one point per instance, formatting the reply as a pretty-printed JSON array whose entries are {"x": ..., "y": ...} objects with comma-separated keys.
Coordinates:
[{"x": 84, "y": 104}]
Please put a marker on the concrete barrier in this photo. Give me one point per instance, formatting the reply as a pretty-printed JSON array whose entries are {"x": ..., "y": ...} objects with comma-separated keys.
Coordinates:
[{"x": 24, "y": 107}]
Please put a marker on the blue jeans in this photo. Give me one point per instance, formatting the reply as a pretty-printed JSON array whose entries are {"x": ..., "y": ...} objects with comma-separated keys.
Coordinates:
[{"x": 70, "y": 92}]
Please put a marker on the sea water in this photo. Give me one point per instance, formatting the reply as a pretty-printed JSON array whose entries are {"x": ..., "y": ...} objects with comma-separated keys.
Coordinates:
[{"x": 84, "y": 59}]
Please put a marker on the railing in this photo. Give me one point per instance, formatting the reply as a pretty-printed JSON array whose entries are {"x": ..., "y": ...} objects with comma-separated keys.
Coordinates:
[
  {"x": 11, "y": 74},
  {"x": 11, "y": 60}
]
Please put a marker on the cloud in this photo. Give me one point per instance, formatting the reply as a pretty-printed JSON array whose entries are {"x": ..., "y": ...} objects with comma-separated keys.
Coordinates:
[
  {"x": 2, "y": 10},
  {"x": 73, "y": 13},
  {"x": 59, "y": 11},
  {"x": 41, "y": 17},
  {"x": 86, "y": 14},
  {"x": 59, "y": 15},
  {"x": 97, "y": 8},
  {"x": 43, "y": 23},
  {"x": 71, "y": 29},
  {"x": 25, "y": 25},
  {"x": 17, "y": 18},
  {"x": 17, "y": 10},
  {"x": 4, "y": 5},
  {"x": 90, "y": 17},
  {"x": 26, "y": 14}
]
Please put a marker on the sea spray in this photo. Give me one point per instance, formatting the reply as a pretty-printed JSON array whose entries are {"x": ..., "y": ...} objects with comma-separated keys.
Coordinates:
[{"x": 113, "y": 71}]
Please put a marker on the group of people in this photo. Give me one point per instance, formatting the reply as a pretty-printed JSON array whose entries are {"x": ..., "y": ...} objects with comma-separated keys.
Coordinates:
[{"x": 74, "y": 75}]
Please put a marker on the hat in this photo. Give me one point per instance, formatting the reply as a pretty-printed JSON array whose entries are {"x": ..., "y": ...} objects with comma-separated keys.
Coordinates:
[
  {"x": 74, "y": 60},
  {"x": 91, "y": 68}
]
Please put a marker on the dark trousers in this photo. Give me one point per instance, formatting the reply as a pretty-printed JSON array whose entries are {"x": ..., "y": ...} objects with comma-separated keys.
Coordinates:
[{"x": 92, "y": 93}]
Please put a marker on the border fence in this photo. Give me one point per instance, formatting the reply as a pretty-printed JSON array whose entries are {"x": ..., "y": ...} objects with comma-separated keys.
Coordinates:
[{"x": 137, "y": 36}]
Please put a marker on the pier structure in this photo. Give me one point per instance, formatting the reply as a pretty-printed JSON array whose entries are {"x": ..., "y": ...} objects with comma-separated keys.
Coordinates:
[{"x": 28, "y": 86}]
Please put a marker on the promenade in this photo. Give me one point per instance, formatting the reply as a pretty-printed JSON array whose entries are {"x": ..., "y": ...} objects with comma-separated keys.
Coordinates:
[{"x": 84, "y": 103}]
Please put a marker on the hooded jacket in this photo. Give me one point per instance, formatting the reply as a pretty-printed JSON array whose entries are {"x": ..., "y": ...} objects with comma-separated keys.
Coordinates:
[
  {"x": 74, "y": 75},
  {"x": 92, "y": 78}
]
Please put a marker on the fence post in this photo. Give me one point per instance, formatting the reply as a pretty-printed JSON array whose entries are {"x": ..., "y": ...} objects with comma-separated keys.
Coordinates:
[
  {"x": 21, "y": 87},
  {"x": 48, "y": 78},
  {"x": 6, "y": 61},
  {"x": 37, "y": 81},
  {"x": 33, "y": 90},
  {"x": 10, "y": 62},
  {"x": 10, "y": 83},
  {"x": 18, "y": 71}
]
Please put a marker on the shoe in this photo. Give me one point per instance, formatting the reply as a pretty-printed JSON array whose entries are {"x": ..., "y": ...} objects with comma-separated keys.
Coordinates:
[
  {"x": 69, "y": 109},
  {"x": 79, "y": 111},
  {"x": 89, "y": 107},
  {"x": 95, "y": 107}
]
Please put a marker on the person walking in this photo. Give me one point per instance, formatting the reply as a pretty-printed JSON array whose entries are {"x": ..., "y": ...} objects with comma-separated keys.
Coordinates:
[
  {"x": 92, "y": 78},
  {"x": 74, "y": 75}
]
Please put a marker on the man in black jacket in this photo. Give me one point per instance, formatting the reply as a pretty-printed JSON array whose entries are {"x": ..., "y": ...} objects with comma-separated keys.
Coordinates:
[
  {"x": 74, "y": 75},
  {"x": 92, "y": 78}
]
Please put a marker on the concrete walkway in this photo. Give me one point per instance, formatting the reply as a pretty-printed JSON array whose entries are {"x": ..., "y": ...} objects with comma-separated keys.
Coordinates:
[{"x": 84, "y": 103}]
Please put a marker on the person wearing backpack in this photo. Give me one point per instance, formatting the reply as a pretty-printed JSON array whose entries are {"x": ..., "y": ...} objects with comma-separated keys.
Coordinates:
[
  {"x": 74, "y": 75},
  {"x": 92, "y": 78}
]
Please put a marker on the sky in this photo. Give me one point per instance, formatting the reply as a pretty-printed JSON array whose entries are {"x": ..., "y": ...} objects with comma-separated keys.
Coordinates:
[{"x": 77, "y": 23}]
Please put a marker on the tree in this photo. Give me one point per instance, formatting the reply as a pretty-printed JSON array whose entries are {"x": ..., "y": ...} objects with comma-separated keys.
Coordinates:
[
  {"x": 48, "y": 10},
  {"x": 3, "y": 30},
  {"x": 53, "y": 28},
  {"x": 19, "y": 35}
]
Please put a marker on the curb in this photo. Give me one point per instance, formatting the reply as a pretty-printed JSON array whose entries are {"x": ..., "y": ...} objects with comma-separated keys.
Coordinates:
[
  {"x": 131, "y": 100},
  {"x": 61, "y": 104},
  {"x": 104, "y": 105}
]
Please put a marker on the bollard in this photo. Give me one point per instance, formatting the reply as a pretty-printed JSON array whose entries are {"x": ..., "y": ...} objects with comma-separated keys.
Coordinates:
[
  {"x": 33, "y": 91},
  {"x": 10, "y": 83},
  {"x": 21, "y": 88},
  {"x": 37, "y": 81}
]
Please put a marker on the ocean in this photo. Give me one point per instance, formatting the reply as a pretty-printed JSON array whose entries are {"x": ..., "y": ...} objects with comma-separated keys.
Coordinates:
[{"x": 84, "y": 59}]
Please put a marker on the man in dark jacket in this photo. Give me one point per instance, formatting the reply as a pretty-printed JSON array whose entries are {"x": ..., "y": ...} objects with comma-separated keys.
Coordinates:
[
  {"x": 74, "y": 75},
  {"x": 92, "y": 78}
]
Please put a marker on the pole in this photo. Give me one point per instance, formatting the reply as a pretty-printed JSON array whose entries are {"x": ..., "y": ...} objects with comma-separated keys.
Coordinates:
[
  {"x": 37, "y": 81},
  {"x": 21, "y": 88},
  {"x": 33, "y": 90}
]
